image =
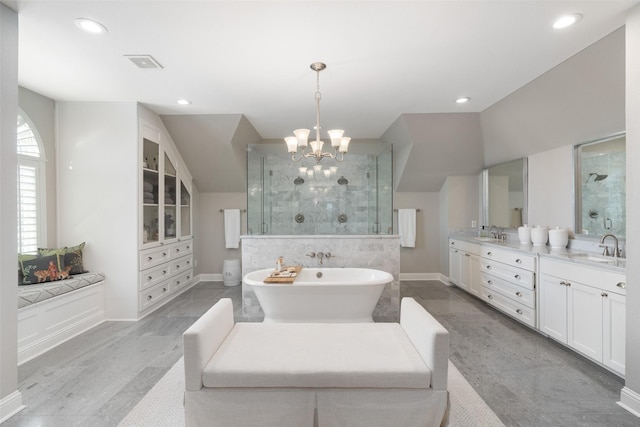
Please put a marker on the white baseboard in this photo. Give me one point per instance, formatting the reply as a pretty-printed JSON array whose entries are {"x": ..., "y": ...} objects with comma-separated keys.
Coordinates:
[
  {"x": 630, "y": 400},
  {"x": 10, "y": 405},
  {"x": 210, "y": 277}
]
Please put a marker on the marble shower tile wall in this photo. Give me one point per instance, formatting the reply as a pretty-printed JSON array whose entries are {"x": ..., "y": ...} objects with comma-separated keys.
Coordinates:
[
  {"x": 379, "y": 252},
  {"x": 321, "y": 200},
  {"x": 603, "y": 206}
]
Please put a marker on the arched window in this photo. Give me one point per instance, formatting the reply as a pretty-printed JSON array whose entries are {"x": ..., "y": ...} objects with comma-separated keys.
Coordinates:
[{"x": 31, "y": 187}]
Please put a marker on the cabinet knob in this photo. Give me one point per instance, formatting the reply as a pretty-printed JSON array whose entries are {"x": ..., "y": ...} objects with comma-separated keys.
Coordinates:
[
  {"x": 519, "y": 293},
  {"x": 490, "y": 296},
  {"x": 188, "y": 277},
  {"x": 488, "y": 267},
  {"x": 453, "y": 243},
  {"x": 519, "y": 261},
  {"x": 467, "y": 255},
  {"x": 164, "y": 254},
  {"x": 604, "y": 294},
  {"x": 164, "y": 289},
  {"x": 519, "y": 311},
  {"x": 164, "y": 272},
  {"x": 490, "y": 282},
  {"x": 177, "y": 249},
  {"x": 149, "y": 258},
  {"x": 188, "y": 262},
  {"x": 621, "y": 285},
  {"x": 489, "y": 253},
  {"x": 568, "y": 284},
  {"x": 188, "y": 247},
  {"x": 149, "y": 297},
  {"x": 517, "y": 276},
  {"x": 149, "y": 277},
  {"x": 177, "y": 282},
  {"x": 455, "y": 252}
]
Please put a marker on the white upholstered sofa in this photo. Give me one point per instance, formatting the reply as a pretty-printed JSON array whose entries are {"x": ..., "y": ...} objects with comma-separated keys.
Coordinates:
[{"x": 316, "y": 374}]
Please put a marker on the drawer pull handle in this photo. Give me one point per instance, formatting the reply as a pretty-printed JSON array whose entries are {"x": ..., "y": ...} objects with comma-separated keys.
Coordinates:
[
  {"x": 490, "y": 296},
  {"x": 149, "y": 297},
  {"x": 519, "y": 261},
  {"x": 467, "y": 255},
  {"x": 604, "y": 294},
  {"x": 568, "y": 284},
  {"x": 490, "y": 282},
  {"x": 453, "y": 243},
  {"x": 149, "y": 258},
  {"x": 455, "y": 252},
  {"x": 622, "y": 285},
  {"x": 563, "y": 283},
  {"x": 519, "y": 294},
  {"x": 488, "y": 267},
  {"x": 517, "y": 276},
  {"x": 177, "y": 249},
  {"x": 149, "y": 277},
  {"x": 519, "y": 311},
  {"x": 489, "y": 253},
  {"x": 164, "y": 254},
  {"x": 164, "y": 272}
]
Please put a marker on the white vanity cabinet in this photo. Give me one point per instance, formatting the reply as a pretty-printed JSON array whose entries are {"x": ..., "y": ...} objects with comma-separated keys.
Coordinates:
[
  {"x": 509, "y": 282},
  {"x": 584, "y": 308},
  {"x": 464, "y": 265}
]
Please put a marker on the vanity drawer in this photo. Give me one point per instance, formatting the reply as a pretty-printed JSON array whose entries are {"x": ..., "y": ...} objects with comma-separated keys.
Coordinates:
[
  {"x": 465, "y": 246},
  {"x": 595, "y": 277},
  {"x": 509, "y": 290},
  {"x": 154, "y": 295},
  {"x": 515, "y": 259},
  {"x": 520, "y": 312},
  {"x": 520, "y": 277},
  {"x": 154, "y": 256},
  {"x": 154, "y": 275}
]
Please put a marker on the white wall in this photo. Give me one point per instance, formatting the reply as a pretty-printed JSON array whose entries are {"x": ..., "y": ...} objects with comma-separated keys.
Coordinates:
[
  {"x": 630, "y": 395},
  {"x": 10, "y": 397}
]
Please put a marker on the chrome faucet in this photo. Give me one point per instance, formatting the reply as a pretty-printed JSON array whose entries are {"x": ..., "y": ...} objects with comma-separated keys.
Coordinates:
[
  {"x": 616, "y": 248},
  {"x": 494, "y": 234}
]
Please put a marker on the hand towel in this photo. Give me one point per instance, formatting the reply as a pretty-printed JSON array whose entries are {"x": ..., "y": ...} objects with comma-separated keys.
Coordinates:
[
  {"x": 232, "y": 228},
  {"x": 407, "y": 227}
]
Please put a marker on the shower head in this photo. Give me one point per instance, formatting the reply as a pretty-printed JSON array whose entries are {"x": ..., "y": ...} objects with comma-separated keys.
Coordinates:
[{"x": 597, "y": 178}]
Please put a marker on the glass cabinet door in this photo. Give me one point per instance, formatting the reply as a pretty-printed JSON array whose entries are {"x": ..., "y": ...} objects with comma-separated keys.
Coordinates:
[
  {"x": 185, "y": 211},
  {"x": 150, "y": 190},
  {"x": 169, "y": 199}
]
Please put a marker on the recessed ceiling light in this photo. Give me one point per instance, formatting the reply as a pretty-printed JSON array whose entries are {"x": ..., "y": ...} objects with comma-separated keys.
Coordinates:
[
  {"x": 184, "y": 102},
  {"x": 567, "y": 20},
  {"x": 90, "y": 26},
  {"x": 463, "y": 100}
]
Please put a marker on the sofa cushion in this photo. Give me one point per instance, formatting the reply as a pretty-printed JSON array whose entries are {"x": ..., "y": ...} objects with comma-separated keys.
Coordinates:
[{"x": 374, "y": 355}]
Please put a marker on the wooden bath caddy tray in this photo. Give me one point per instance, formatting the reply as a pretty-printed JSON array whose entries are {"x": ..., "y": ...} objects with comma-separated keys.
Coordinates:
[{"x": 274, "y": 278}]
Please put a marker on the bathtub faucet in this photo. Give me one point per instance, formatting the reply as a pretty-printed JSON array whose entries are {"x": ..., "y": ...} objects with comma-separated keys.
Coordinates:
[{"x": 320, "y": 255}]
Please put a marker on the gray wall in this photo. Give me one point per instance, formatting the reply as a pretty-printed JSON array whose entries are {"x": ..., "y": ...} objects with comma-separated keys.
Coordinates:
[{"x": 41, "y": 111}]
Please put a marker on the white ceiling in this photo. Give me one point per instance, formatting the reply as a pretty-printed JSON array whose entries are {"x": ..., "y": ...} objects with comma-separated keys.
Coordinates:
[{"x": 384, "y": 58}]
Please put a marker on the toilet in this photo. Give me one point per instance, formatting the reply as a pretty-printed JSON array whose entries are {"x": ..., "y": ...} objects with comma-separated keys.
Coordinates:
[{"x": 231, "y": 272}]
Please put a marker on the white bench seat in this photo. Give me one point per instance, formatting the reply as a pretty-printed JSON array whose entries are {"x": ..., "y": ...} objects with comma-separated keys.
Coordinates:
[{"x": 317, "y": 355}]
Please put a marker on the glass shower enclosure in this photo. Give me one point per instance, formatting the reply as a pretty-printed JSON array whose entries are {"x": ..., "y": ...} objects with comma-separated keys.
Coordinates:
[{"x": 354, "y": 196}]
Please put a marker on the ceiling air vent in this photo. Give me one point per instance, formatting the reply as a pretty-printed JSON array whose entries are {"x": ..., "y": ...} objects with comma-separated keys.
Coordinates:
[{"x": 144, "y": 61}]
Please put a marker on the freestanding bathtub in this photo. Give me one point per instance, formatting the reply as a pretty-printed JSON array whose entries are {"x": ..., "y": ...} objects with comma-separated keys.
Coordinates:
[{"x": 320, "y": 295}]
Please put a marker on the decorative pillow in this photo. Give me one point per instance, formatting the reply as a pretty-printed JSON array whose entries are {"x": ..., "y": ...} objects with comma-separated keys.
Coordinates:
[
  {"x": 43, "y": 269},
  {"x": 21, "y": 258},
  {"x": 72, "y": 257}
]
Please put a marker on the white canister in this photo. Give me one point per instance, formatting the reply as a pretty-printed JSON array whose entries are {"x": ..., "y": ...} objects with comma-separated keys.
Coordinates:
[
  {"x": 558, "y": 238},
  {"x": 524, "y": 234},
  {"x": 539, "y": 235}
]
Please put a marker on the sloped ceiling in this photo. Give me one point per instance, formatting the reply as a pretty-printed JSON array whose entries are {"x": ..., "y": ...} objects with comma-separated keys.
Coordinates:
[
  {"x": 430, "y": 147},
  {"x": 214, "y": 147}
]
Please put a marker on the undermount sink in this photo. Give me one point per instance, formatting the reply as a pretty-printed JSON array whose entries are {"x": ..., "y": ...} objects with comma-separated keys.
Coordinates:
[
  {"x": 594, "y": 258},
  {"x": 486, "y": 239}
]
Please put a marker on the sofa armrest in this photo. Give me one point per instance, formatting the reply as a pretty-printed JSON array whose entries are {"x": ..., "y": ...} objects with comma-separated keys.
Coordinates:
[
  {"x": 429, "y": 337},
  {"x": 203, "y": 339}
]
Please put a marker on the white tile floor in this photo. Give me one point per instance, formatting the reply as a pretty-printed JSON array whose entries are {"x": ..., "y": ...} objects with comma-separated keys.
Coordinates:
[{"x": 97, "y": 378}]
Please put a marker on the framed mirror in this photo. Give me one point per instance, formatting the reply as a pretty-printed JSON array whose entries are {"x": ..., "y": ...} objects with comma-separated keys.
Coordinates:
[
  {"x": 505, "y": 194},
  {"x": 600, "y": 181}
]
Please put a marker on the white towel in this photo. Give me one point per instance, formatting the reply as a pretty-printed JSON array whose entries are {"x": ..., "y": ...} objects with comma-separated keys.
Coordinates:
[
  {"x": 232, "y": 228},
  {"x": 407, "y": 227}
]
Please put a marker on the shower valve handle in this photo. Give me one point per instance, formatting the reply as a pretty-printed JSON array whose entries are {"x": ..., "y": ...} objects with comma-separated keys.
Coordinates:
[{"x": 311, "y": 254}]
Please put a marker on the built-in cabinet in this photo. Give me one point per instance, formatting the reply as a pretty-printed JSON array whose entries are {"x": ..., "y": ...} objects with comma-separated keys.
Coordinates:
[
  {"x": 464, "y": 265},
  {"x": 584, "y": 308},
  {"x": 509, "y": 282},
  {"x": 166, "y": 244}
]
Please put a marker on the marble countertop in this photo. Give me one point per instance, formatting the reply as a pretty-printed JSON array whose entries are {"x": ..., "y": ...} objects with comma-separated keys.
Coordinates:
[{"x": 570, "y": 255}]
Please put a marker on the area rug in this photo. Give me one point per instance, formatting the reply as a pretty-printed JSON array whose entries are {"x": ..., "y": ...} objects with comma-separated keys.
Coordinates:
[{"x": 162, "y": 406}]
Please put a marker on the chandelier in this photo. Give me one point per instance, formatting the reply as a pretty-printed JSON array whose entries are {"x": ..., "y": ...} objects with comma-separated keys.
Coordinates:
[{"x": 300, "y": 141}]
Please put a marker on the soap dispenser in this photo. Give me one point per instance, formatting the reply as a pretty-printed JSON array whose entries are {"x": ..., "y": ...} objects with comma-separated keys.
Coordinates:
[{"x": 280, "y": 264}]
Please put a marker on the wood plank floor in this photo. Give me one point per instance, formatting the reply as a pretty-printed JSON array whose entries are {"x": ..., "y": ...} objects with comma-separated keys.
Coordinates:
[{"x": 96, "y": 378}]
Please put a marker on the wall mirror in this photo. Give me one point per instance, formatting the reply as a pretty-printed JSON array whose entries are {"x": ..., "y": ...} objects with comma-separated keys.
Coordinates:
[
  {"x": 600, "y": 175},
  {"x": 505, "y": 194}
]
